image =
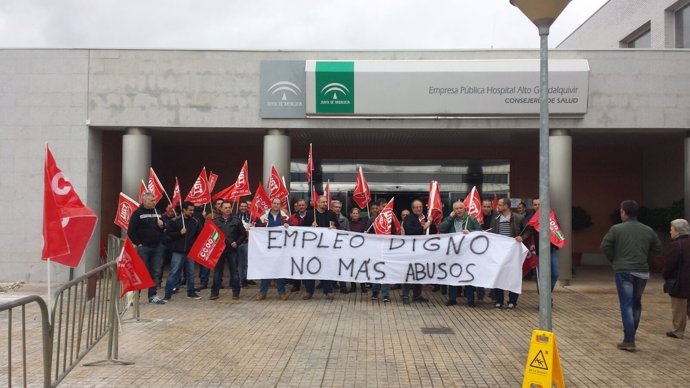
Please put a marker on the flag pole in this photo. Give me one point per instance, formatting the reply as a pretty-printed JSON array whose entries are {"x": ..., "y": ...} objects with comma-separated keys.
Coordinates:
[
  {"x": 431, "y": 197},
  {"x": 287, "y": 197}
]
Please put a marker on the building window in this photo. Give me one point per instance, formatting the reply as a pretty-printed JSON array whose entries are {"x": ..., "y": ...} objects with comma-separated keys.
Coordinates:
[
  {"x": 642, "y": 41},
  {"x": 640, "y": 38},
  {"x": 683, "y": 27}
]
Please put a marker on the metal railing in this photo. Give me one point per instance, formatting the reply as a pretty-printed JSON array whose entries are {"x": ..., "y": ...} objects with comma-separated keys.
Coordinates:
[
  {"x": 46, "y": 341},
  {"x": 84, "y": 311}
]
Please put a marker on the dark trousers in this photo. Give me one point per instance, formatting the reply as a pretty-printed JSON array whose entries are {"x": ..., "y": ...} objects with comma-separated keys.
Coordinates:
[
  {"x": 230, "y": 257},
  {"x": 416, "y": 290}
]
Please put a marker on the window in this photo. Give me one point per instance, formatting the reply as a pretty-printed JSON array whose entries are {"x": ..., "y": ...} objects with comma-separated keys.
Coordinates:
[
  {"x": 642, "y": 41},
  {"x": 683, "y": 27},
  {"x": 640, "y": 38}
]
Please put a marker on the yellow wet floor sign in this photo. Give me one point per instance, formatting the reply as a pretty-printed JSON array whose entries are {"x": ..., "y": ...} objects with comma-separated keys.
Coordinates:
[{"x": 543, "y": 367}]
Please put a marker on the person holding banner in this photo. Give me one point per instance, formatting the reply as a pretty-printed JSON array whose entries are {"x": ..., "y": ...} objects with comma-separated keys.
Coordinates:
[
  {"x": 509, "y": 224},
  {"x": 145, "y": 231},
  {"x": 245, "y": 217},
  {"x": 182, "y": 232},
  {"x": 300, "y": 206},
  {"x": 233, "y": 230},
  {"x": 416, "y": 224},
  {"x": 460, "y": 221},
  {"x": 321, "y": 217},
  {"x": 273, "y": 217}
]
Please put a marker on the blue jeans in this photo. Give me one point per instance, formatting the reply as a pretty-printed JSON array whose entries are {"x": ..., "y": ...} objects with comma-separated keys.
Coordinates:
[
  {"x": 555, "y": 269},
  {"x": 152, "y": 255},
  {"x": 512, "y": 297},
  {"x": 468, "y": 291},
  {"x": 204, "y": 273},
  {"x": 310, "y": 286},
  {"x": 243, "y": 264},
  {"x": 280, "y": 285},
  {"x": 177, "y": 262},
  {"x": 231, "y": 258},
  {"x": 384, "y": 288},
  {"x": 630, "y": 289}
]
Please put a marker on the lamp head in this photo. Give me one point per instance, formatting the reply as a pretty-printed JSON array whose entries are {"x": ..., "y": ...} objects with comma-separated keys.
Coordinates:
[{"x": 541, "y": 12}]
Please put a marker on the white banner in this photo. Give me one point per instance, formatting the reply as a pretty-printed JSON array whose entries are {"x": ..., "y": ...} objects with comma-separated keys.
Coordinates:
[{"x": 477, "y": 259}]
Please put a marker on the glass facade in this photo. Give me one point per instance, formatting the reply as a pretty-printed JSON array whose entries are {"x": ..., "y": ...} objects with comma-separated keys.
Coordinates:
[{"x": 642, "y": 41}]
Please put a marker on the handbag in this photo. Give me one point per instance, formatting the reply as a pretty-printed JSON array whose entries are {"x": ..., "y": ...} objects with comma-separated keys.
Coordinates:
[{"x": 671, "y": 285}]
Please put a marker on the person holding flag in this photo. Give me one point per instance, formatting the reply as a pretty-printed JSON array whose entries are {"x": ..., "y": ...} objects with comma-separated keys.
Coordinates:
[
  {"x": 460, "y": 221},
  {"x": 533, "y": 223},
  {"x": 182, "y": 232},
  {"x": 234, "y": 233},
  {"x": 321, "y": 217},
  {"x": 386, "y": 223},
  {"x": 146, "y": 233},
  {"x": 416, "y": 224}
]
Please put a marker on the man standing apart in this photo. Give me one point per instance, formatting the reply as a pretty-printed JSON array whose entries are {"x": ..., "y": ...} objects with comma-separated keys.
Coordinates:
[
  {"x": 145, "y": 231},
  {"x": 273, "y": 217},
  {"x": 323, "y": 218},
  {"x": 459, "y": 221},
  {"x": 242, "y": 251},
  {"x": 629, "y": 245},
  {"x": 234, "y": 236},
  {"x": 182, "y": 236}
]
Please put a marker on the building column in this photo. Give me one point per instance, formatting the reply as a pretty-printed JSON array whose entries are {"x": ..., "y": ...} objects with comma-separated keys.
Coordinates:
[
  {"x": 686, "y": 174},
  {"x": 136, "y": 159},
  {"x": 561, "y": 189},
  {"x": 277, "y": 153}
]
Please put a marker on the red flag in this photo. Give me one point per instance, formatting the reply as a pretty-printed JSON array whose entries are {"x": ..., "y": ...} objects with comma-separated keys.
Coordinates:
[
  {"x": 532, "y": 260},
  {"x": 227, "y": 194},
  {"x": 142, "y": 189},
  {"x": 208, "y": 246},
  {"x": 386, "y": 218},
  {"x": 260, "y": 203},
  {"x": 199, "y": 194},
  {"x": 473, "y": 204},
  {"x": 494, "y": 204},
  {"x": 67, "y": 223},
  {"x": 361, "y": 195},
  {"x": 241, "y": 186},
  {"x": 310, "y": 165},
  {"x": 434, "y": 203},
  {"x": 327, "y": 193},
  {"x": 556, "y": 235},
  {"x": 177, "y": 195},
  {"x": 131, "y": 270},
  {"x": 276, "y": 188},
  {"x": 212, "y": 179},
  {"x": 125, "y": 207},
  {"x": 155, "y": 187},
  {"x": 314, "y": 197}
]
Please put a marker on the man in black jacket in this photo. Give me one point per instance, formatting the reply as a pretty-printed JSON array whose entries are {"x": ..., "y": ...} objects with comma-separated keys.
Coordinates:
[
  {"x": 320, "y": 217},
  {"x": 416, "y": 224},
  {"x": 182, "y": 232},
  {"x": 145, "y": 231},
  {"x": 233, "y": 230}
]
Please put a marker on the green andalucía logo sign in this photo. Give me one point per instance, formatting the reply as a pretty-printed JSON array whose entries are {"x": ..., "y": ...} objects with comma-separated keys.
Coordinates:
[{"x": 335, "y": 87}]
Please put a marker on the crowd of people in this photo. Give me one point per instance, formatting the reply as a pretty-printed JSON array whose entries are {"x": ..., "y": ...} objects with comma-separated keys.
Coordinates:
[{"x": 629, "y": 245}]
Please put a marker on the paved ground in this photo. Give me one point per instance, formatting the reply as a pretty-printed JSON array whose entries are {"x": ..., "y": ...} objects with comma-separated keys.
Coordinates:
[{"x": 353, "y": 341}]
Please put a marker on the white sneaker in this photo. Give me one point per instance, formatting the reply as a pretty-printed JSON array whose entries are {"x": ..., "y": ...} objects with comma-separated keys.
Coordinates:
[
  {"x": 511, "y": 306},
  {"x": 156, "y": 300}
]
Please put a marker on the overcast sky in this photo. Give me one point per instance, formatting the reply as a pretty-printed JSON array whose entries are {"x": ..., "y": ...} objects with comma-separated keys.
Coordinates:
[{"x": 278, "y": 24}]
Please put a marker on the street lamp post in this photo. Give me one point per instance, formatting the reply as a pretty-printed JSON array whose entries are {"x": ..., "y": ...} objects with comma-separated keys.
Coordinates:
[{"x": 543, "y": 13}]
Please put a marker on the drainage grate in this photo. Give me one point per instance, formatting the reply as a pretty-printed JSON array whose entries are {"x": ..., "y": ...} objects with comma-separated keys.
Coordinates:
[{"x": 437, "y": 330}]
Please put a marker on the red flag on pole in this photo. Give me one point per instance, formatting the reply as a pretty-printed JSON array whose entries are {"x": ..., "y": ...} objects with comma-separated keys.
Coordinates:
[
  {"x": 125, "y": 207},
  {"x": 142, "y": 189},
  {"x": 435, "y": 212},
  {"x": 473, "y": 203},
  {"x": 241, "y": 186},
  {"x": 276, "y": 188},
  {"x": 361, "y": 195},
  {"x": 227, "y": 194},
  {"x": 314, "y": 197},
  {"x": 386, "y": 218},
  {"x": 327, "y": 193},
  {"x": 260, "y": 203},
  {"x": 155, "y": 187},
  {"x": 556, "y": 235},
  {"x": 199, "y": 194},
  {"x": 177, "y": 195},
  {"x": 67, "y": 223},
  {"x": 131, "y": 270},
  {"x": 212, "y": 179},
  {"x": 494, "y": 204},
  {"x": 310, "y": 165},
  {"x": 208, "y": 246}
]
